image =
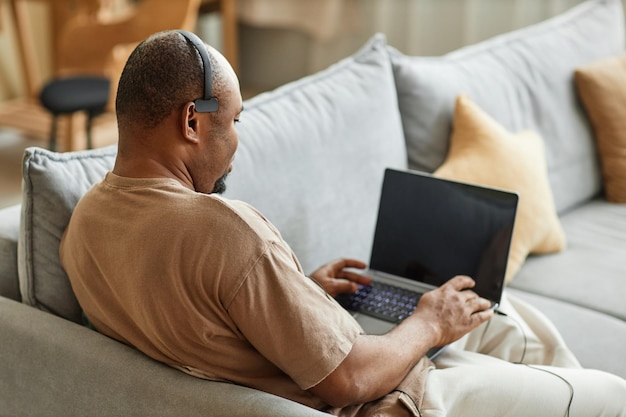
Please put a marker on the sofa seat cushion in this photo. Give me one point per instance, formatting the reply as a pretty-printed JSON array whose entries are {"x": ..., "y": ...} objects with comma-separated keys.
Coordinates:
[
  {"x": 596, "y": 339},
  {"x": 602, "y": 87},
  {"x": 52, "y": 185},
  {"x": 518, "y": 80},
  {"x": 591, "y": 272},
  {"x": 483, "y": 152},
  {"x": 312, "y": 155},
  {"x": 9, "y": 233}
]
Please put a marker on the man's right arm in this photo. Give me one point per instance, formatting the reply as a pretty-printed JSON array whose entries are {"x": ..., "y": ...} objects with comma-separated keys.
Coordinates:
[{"x": 377, "y": 364}]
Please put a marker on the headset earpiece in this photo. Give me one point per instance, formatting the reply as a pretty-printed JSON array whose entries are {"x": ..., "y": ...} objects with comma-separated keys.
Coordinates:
[{"x": 207, "y": 104}]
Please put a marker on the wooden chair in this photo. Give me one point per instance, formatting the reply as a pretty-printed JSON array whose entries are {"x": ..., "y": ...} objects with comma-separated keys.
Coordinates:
[
  {"x": 91, "y": 44},
  {"x": 68, "y": 95},
  {"x": 91, "y": 38},
  {"x": 85, "y": 42}
]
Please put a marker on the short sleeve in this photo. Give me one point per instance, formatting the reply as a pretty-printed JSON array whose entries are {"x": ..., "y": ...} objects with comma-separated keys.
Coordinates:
[{"x": 292, "y": 321}]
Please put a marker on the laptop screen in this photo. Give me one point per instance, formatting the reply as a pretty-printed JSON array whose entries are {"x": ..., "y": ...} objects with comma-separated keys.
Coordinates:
[{"x": 430, "y": 230}]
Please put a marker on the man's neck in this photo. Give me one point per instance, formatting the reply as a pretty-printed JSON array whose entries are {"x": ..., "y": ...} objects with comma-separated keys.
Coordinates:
[{"x": 151, "y": 166}]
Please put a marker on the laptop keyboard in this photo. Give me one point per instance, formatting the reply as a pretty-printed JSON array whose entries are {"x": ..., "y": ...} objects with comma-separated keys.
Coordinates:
[{"x": 386, "y": 302}]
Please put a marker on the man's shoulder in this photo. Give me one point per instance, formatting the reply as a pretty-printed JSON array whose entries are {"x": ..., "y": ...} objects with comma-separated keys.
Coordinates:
[
  {"x": 171, "y": 206},
  {"x": 244, "y": 217}
]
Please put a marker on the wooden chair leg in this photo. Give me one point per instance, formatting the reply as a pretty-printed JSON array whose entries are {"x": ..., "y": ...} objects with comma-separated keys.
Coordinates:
[
  {"x": 89, "y": 123},
  {"x": 230, "y": 32},
  {"x": 53, "y": 133}
]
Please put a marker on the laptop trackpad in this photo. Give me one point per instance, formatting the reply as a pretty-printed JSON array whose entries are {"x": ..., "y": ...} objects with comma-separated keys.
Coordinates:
[
  {"x": 375, "y": 326},
  {"x": 372, "y": 325}
]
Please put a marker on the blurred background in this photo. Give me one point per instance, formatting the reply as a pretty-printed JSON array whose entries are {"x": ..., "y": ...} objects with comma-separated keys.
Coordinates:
[
  {"x": 269, "y": 43},
  {"x": 279, "y": 40}
]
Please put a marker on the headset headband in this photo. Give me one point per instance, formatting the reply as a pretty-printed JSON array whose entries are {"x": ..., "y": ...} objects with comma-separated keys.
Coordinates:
[{"x": 208, "y": 104}]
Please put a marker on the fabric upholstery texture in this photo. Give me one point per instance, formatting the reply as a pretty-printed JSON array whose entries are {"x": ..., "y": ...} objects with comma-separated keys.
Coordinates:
[
  {"x": 483, "y": 152},
  {"x": 53, "y": 184},
  {"x": 313, "y": 155},
  {"x": 599, "y": 347},
  {"x": 591, "y": 271},
  {"x": 72, "y": 370},
  {"x": 518, "y": 80},
  {"x": 602, "y": 88}
]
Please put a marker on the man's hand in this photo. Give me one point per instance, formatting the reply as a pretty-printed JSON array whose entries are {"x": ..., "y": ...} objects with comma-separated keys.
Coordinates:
[
  {"x": 377, "y": 364},
  {"x": 335, "y": 279},
  {"x": 453, "y": 309}
]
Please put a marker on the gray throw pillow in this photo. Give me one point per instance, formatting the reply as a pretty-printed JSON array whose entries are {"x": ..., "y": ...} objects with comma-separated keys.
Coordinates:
[
  {"x": 52, "y": 185},
  {"x": 524, "y": 80}
]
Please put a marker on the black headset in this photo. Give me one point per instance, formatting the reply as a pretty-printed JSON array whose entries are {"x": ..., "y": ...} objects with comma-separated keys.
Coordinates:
[{"x": 207, "y": 104}]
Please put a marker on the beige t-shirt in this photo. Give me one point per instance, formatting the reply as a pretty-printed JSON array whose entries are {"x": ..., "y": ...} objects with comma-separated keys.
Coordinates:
[{"x": 204, "y": 284}]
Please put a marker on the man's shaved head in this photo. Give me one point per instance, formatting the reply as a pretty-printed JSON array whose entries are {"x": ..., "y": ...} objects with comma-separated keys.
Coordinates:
[{"x": 162, "y": 74}]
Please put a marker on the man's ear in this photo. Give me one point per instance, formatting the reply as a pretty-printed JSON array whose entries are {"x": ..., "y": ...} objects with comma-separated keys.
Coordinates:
[{"x": 190, "y": 122}]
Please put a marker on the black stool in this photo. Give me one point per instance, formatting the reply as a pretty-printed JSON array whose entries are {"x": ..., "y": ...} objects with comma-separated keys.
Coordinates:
[{"x": 68, "y": 95}]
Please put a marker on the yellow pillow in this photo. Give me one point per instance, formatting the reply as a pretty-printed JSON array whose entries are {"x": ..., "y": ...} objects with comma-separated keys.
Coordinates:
[
  {"x": 483, "y": 152},
  {"x": 602, "y": 88}
]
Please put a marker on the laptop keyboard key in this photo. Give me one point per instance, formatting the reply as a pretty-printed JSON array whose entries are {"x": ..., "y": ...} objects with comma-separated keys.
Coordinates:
[{"x": 383, "y": 301}]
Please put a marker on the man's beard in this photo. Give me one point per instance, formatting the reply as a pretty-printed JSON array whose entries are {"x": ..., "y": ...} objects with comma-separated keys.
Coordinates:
[{"x": 220, "y": 185}]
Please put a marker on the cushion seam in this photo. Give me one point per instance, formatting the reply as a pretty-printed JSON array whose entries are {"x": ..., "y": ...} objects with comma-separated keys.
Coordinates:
[{"x": 28, "y": 293}]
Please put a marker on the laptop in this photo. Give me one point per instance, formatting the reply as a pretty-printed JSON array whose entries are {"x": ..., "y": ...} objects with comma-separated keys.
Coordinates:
[{"x": 429, "y": 230}]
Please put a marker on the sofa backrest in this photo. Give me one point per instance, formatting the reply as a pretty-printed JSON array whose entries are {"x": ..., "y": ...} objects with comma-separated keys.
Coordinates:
[
  {"x": 524, "y": 80},
  {"x": 312, "y": 155},
  {"x": 311, "y": 158}
]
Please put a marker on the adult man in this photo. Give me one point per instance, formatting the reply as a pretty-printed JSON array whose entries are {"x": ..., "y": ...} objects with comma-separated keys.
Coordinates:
[{"x": 207, "y": 285}]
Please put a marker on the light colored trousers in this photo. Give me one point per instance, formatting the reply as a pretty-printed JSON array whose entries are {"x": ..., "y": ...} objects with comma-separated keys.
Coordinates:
[{"x": 479, "y": 375}]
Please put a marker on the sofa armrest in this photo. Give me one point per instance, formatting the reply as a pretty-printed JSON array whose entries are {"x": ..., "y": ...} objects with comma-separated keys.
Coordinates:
[
  {"x": 9, "y": 233},
  {"x": 50, "y": 366}
]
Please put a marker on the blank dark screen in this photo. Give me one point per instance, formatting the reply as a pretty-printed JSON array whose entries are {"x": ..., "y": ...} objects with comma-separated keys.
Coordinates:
[{"x": 431, "y": 230}]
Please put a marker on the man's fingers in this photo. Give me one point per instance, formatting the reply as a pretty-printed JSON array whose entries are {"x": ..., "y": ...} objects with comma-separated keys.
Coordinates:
[
  {"x": 482, "y": 316},
  {"x": 341, "y": 286},
  {"x": 480, "y": 304},
  {"x": 462, "y": 282},
  {"x": 350, "y": 263},
  {"x": 354, "y": 277}
]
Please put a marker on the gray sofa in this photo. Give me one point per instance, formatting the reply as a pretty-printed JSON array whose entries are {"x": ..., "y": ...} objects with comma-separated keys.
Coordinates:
[{"x": 311, "y": 158}]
